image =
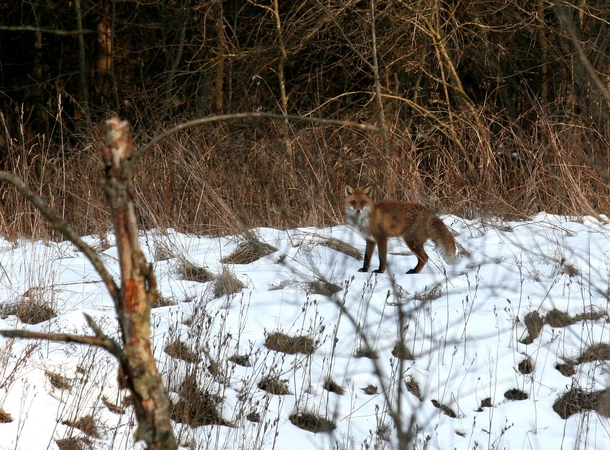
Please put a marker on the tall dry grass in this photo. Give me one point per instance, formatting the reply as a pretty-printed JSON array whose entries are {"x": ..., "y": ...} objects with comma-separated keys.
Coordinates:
[{"x": 231, "y": 176}]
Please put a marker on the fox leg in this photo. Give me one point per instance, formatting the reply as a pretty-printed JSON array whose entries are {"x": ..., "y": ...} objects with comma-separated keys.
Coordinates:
[
  {"x": 383, "y": 253},
  {"x": 370, "y": 246},
  {"x": 417, "y": 248}
]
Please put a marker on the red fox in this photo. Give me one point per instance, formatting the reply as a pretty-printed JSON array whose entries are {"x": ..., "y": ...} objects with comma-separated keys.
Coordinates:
[{"x": 375, "y": 222}]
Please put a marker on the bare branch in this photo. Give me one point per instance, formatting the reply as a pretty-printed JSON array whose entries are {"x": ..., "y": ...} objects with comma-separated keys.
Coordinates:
[
  {"x": 252, "y": 115},
  {"x": 568, "y": 24},
  {"x": 102, "y": 342},
  {"x": 46, "y": 30}
]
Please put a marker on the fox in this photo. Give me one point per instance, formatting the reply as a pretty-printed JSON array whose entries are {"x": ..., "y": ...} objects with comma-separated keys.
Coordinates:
[{"x": 376, "y": 221}]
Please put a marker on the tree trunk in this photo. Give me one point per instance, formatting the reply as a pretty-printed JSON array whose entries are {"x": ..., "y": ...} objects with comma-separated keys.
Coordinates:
[{"x": 137, "y": 294}]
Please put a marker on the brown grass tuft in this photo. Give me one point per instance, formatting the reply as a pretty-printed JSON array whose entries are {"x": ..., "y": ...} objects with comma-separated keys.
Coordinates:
[
  {"x": 312, "y": 422},
  {"x": 33, "y": 308},
  {"x": 558, "y": 319},
  {"x": 574, "y": 401},
  {"x": 249, "y": 251},
  {"x": 322, "y": 287},
  {"x": 401, "y": 351},
  {"x": 116, "y": 409},
  {"x": 365, "y": 352},
  {"x": 226, "y": 284},
  {"x": 241, "y": 360},
  {"x": 446, "y": 410},
  {"x": 533, "y": 323},
  {"x": 191, "y": 272},
  {"x": 371, "y": 389},
  {"x": 179, "y": 350},
  {"x": 85, "y": 424},
  {"x": 58, "y": 381},
  {"x": 74, "y": 443},
  {"x": 567, "y": 369},
  {"x": 331, "y": 386},
  {"x": 196, "y": 407},
  {"x": 596, "y": 352},
  {"x": 526, "y": 366},
  {"x": 515, "y": 394},
  {"x": 274, "y": 385},
  {"x": 283, "y": 343},
  {"x": 5, "y": 417},
  {"x": 413, "y": 387}
]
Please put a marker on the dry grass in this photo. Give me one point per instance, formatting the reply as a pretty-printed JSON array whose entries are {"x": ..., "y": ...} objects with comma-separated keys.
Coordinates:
[
  {"x": 574, "y": 401},
  {"x": 242, "y": 360},
  {"x": 85, "y": 424},
  {"x": 192, "y": 272},
  {"x": 5, "y": 417},
  {"x": 249, "y": 251},
  {"x": 331, "y": 386},
  {"x": 312, "y": 422},
  {"x": 196, "y": 407},
  {"x": 75, "y": 443},
  {"x": 226, "y": 283},
  {"x": 322, "y": 287},
  {"x": 401, "y": 351},
  {"x": 445, "y": 409},
  {"x": 281, "y": 342},
  {"x": 179, "y": 350},
  {"x": 58, "y": 381},
  {"x": 274, "y": 385},
  {"x": 179, "y": 193}
]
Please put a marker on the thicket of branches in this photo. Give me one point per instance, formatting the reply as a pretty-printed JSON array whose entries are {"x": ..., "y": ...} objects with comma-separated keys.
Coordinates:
[{"x": 482, "y": 107}]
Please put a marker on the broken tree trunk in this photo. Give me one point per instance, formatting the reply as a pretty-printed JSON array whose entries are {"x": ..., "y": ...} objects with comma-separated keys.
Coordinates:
[
  {"x": 133, "y": 298},
  {"x": 137, "y": 294}
]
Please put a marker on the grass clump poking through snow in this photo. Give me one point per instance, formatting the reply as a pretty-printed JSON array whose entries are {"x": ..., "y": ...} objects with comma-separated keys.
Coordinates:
[
  {"x": 85, "y": 424},
  {"x": 5, "y": 417},
  {"x": 192, "y": 272},
  {"x": 249, "y": 251},
  {"x": 179, "y": 350},
  {"x": 283, "y": 343},
  {"x": 196, "y": 407},
  {"x": 35, "y": 306},
  {"x": 226, "y": 284},
  {"x": 574, "y": 401},
  {"x": 322, "y": 287},
  {"x": 312, "y": 422},
  {"x": 274, "y": 385},
  {"x": 75, "y": 443},
  {"x": 58, "y": 381}
]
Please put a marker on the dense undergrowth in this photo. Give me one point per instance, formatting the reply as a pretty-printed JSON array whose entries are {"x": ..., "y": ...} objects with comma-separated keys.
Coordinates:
[{"x": 481, "y": 108}]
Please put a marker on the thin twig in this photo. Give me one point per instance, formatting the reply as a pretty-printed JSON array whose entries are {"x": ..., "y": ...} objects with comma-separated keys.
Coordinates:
[
  {"x": 251, "y": 115},
  {"x": 46, "y": 30},
  {"x": 105, "y": 343}
]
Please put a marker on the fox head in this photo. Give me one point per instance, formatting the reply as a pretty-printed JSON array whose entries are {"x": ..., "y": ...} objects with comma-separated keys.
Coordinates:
[{"x": 357, "y": 200}]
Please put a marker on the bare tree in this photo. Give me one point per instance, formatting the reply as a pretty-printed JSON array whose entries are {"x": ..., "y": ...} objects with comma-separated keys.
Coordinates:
[{"x": 132, "y": 299}]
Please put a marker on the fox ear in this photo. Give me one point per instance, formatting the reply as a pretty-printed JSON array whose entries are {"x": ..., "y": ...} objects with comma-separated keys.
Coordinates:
[
  {"x": 368, "y": 190},
  {"x": 349, "y": 190}
]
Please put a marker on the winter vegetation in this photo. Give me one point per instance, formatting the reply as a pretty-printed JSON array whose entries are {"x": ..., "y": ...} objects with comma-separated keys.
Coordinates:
[{"x": 185, "y": 278}]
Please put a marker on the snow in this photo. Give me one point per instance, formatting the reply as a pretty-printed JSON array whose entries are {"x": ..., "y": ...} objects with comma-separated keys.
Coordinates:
[{"x": 463, "y": 323}]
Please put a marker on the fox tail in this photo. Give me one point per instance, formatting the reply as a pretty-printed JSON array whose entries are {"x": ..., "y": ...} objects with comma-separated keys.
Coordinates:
[{"x": 443, "y": 239}]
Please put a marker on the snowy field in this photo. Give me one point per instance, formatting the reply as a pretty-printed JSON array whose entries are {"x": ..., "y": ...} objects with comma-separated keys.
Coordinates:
[{"x": 478, "y": 368}]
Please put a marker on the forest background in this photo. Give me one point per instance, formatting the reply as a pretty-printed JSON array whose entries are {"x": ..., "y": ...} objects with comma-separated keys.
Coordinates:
[{"x": 480, "y": 107}]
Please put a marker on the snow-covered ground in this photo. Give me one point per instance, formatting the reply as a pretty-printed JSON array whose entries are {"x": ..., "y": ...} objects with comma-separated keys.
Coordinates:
[{"x": 463, "y": 325}]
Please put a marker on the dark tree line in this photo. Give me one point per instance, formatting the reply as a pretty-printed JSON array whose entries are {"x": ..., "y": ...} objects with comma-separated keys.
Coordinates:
[{"x": 469, "y": 95}]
